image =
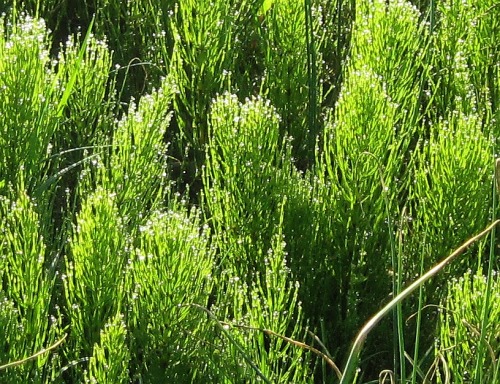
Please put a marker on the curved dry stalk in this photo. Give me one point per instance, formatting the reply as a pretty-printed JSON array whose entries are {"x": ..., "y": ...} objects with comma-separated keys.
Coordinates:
[
  {"x": 300, "y": 344},
  {"x": 223, "y": 325},
  {"x": 386, "y": 373},
  {"x": 32, "y": 357},
  {"x": 232, "y": 340},
  {"x": 434, "y": 368}
]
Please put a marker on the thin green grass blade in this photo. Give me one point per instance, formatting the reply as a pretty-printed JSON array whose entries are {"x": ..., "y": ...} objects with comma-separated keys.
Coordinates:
[
  {"x": 311, "y": 73},
  {"x": 478, "y": 371},
  {"x": 419, "y": 319},
  {"x": 51, "y": 180},
  {"x": 70, "y": 85}
]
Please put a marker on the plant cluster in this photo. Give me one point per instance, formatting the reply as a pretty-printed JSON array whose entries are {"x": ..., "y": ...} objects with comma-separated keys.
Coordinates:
[{"x": 249, "y": 190}]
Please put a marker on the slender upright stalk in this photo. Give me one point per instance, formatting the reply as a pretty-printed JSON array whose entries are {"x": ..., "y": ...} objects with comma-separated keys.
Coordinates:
[
  {"x": 419, "y": 318},
  {"x": 311, "y": 73},
  {"x": 399, "y": 307},
  {"x": 478, "y": 371}
]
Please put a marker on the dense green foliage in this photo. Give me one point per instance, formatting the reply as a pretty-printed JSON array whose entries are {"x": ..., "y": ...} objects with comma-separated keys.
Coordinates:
[{"x": 226, "y": 191}]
